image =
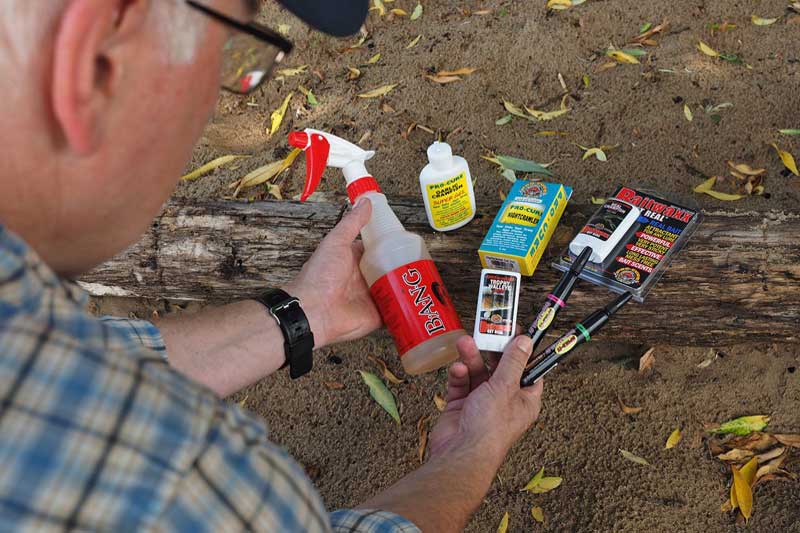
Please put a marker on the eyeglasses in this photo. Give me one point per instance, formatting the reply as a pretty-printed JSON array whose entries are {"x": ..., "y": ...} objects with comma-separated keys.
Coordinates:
[{"x": 249, "y": 55}]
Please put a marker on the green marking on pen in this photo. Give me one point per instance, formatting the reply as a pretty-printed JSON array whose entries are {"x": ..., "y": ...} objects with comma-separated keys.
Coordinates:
[{"x": 583, "y": 331}]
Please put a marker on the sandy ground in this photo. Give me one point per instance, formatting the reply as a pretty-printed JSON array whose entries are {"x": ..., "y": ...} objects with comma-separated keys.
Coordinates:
[{"x": 350, "y": 447}]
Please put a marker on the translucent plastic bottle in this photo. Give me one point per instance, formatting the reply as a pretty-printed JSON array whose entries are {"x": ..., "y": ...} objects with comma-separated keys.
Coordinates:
[{"x": 404, "y": 282}]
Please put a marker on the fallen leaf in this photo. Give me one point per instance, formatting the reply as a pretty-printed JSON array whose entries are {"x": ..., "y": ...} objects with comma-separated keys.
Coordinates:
[
  {"x": 749, "y": 475},
  {"x": 743, "y": 425},
  {"x": 399, "y": 12},
  {"x": 504, "y": 120},
  {"x": 770, "y": 455},
  {"x": 743, "y": 492},
  {"x": 265, "y": 173},
  {"x": 597, "y": 152},
  {"x": 283, "y": 29},
  {"x": 385, "y": 370},
  {"x": 422, "y": 429},
  {"x": 312, "y": 100},
  {"x": 466, "y": 71},
  {"x": 586, "y": 81},
  {"x": 386, "y": 108},
  {"x": 687, "y": 113},
  {"x": 735, "y": 456},
  {"x": 534, "y": 480},
  {"x": 538, "y": 514},
  {"x": 289, "y": 72},
  {"x": 374, "y": 59},
  {"x": 598, "y": 201},
  {"x": 549, "y": 115},
  {"x": 213, "y": 165},
  {"x": 788, "y": 160},
  {"x": 380, "y": 91},
  {"x": 746, "y": 169},
  {"x": 514, "y": 109},
  {"x": 634, "y": 458},
  {"x": 788, "y": 440},
  {"x": 417, "y": 13},
  {"x": 674, "y": 439},
  {"x": 274, "y": 190},
  {"x": 755, "y": 441},
  {"x": 559, "y": 4},
  {"x": 522, "y": 165},
  {"x": 707, "y": 50},
  {"x": 503, "y": 527},
  {"x": 622, "y": 57},
  {"x": 706, "y": 188},
  {"x": 647, "y": 361},
  {"x": 440, "y": 402},
  {"x": 758, "y": 21},
  {"x": 771, "y": 467},
  {"x": 414, "y": 42},
  {"x": 334, "y": 385},
  {"x": 650, "y": 32},
  {"x": 377, "y": 5},
  {"x": 353, "y": 73},
  {"x": 546, "y": 484},
  {"x": 442, "y": 79},
  {"x": 382, "y": 395},
  {"x": 790, "y": 131},
  {"x": 277, "y": 116},
  {"x": 628, "y": 410},
  {"x": 644, "y": 27}
]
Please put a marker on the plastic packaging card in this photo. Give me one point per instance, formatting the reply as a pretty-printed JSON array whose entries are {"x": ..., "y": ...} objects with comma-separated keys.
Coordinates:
[{"x": 644, "y": 249}]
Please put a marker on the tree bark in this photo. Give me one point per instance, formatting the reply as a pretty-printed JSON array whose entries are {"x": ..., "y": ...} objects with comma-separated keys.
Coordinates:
[{"x": 736, "y": 281}]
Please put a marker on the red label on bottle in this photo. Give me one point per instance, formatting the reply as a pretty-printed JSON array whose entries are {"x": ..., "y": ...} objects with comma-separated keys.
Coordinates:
[{"x": 415, "y": 304}]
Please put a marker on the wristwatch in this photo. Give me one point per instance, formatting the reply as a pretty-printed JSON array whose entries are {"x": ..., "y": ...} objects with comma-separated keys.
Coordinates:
[{"x": 298, "y": 343}]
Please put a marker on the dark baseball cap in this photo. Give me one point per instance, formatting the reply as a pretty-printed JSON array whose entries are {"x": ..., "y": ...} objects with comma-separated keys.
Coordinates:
[{"x": 334, "y": 17}]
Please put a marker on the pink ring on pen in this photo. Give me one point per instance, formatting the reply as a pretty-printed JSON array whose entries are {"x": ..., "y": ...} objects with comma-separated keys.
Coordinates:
[{"x": 556, "y": 300}]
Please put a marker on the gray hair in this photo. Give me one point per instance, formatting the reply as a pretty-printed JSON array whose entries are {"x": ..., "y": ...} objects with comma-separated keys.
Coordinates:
[{"x": 25, "y": 24}]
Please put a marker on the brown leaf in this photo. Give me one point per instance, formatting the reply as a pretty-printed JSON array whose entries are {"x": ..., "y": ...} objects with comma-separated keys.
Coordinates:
[
  {"x": 334, "y": 385},
  {"x": 770, "y": 455},
  {"x": 442, "y": 79},
  {"x": 746, "y": 169},
  {"x": 386, "y": 108},
  {"x": 628, "y": 410},
  {"x": 756, "y": 441},
  {"x": 440, "y": 402},
  {"x": 646, "y": 362},
  {"x": 422, "y": 429},
  {"x": 788, "y": 440},
  {"x": 460, "y": 72},
  {"x": 385, "y": 370},
  {"x": 735, "y": 456},
  {"x": 642, "y": 37}
]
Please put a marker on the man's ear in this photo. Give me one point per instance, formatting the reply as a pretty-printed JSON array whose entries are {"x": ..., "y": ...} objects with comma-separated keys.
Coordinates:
[{"x": 89, "y": 60}]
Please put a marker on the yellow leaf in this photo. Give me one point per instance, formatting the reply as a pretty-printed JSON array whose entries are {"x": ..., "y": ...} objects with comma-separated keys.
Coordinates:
[
  {"x": 414, "y": 42},
  {"x": 674, "y": 439},
  {"x": 586, "y": 81},
  {"x": 625, "y": 409},
  {"x": 598, "y": 201},
  {"x": 706, "y": 185},
  {"x": 534, "y": 480},
  {"x": 503, "y": 526},
  {"x": 546, "y": 484},
  {"x": 514, "y": 109},
  {"x": 597, "y": 152},
  {"x": 559, "y": 4},
  {"x": 647, "y": 361},
  {"x": 788, "y": 160},
  {"x": 267, "y": 172},
  {"x": 274, "y": 191},
  {"x": 289, "y": 72},
  {"x": 538, "y": 514},
  {"x": 549, "y": 115},
  {"x": 744, "y": 493},
  {"x": 353, "y": 73},
  {"x": 707, "y": 50},
  {"x": 746, "y": 169},
  {"x": 440, "y": 402},
  {"x": 278, "y": 114},
  {"x": 213, "y": 165},
  {"x": 388, "y": 374},
  {"x": 442, "y": 79},
  {"x": 377, "y": 5},
  {"x": 687, "y": 113},
  {"x": 758, "y": 21},
  {"x": 634, "y": 458},
  {"x": 399, "y": 12},
  {"x": 417, "y": 13},
  {"x": 466, "y": 71},
  {"x": 380, "y": 91},
  {"x": 748, "y": 473},
  {"x": 622, "y": 57},
  {"x": 374, "y": 59},
  {"x": 706, "y": 188}
]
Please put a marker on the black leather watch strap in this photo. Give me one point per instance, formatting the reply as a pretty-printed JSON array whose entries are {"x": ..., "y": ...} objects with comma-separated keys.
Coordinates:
[{"x": 298, "y": 338}]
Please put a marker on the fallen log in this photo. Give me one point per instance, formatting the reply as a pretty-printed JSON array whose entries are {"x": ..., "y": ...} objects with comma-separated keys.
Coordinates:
[{"x": 737, "y": 281}]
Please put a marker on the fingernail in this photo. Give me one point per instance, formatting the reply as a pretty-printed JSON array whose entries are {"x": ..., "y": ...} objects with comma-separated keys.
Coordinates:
[{"x": 525, "y": 343}]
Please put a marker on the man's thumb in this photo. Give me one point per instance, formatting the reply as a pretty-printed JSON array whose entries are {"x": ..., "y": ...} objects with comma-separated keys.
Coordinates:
[{"x": 348, "y": 229}]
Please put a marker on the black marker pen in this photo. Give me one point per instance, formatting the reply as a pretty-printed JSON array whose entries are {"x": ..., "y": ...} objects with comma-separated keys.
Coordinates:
[
  {"x": 581, "y": 333},
  {"x": 557, "y": 299}
]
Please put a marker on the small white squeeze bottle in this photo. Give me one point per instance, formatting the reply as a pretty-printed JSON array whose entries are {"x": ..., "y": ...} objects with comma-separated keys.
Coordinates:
[{"x": 447, "y": 189}]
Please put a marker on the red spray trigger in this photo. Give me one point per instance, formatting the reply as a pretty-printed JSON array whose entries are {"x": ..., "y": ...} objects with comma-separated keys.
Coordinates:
[{"x": 317, "y": 149}]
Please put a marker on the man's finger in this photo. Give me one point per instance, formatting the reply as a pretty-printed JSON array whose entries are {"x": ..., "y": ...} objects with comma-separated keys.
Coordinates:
[
  {"x": 514, "y": 359},
  {"x": 458, "y": 385},
  {"x": 470, "y": 355},
  {"x": 349, "y": 227}
]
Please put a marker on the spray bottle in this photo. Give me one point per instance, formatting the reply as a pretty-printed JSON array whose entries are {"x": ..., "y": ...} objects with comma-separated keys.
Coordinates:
[{"x": 403, "y": 280}]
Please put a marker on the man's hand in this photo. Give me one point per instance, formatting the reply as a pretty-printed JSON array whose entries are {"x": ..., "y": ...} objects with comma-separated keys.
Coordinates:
[
  {"x": 488, "y": 413},
  {"x": 331, "y": 289}
]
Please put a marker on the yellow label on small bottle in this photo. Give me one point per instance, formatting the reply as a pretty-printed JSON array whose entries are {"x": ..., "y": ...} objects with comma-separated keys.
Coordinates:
[
  {"x": 521, "y": 214},
  {"x": 449, "y": 201}
]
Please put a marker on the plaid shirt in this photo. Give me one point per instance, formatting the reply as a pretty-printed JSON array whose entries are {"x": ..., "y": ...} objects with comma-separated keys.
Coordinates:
[{"x": 98, "y": 433}]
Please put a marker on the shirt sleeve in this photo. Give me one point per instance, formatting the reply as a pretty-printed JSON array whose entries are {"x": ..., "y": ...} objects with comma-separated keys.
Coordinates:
[
  {"x": 141, "y": 332},
  {"x": 370, "y": 521}
]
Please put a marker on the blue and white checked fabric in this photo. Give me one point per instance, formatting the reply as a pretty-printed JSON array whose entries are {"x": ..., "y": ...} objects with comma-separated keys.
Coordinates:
[{"x": 98, "y": 433}]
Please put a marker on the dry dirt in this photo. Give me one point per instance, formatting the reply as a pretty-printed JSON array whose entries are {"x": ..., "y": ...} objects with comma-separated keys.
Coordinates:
[{"x": 353, "y": 449}]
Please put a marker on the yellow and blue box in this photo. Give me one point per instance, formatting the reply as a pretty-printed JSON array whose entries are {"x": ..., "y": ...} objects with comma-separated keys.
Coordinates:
[{"x": 523, "y": 227}]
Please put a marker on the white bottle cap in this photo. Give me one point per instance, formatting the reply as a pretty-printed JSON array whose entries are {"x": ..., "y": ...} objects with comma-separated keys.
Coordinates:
[{"x": 440, "y": 155}]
